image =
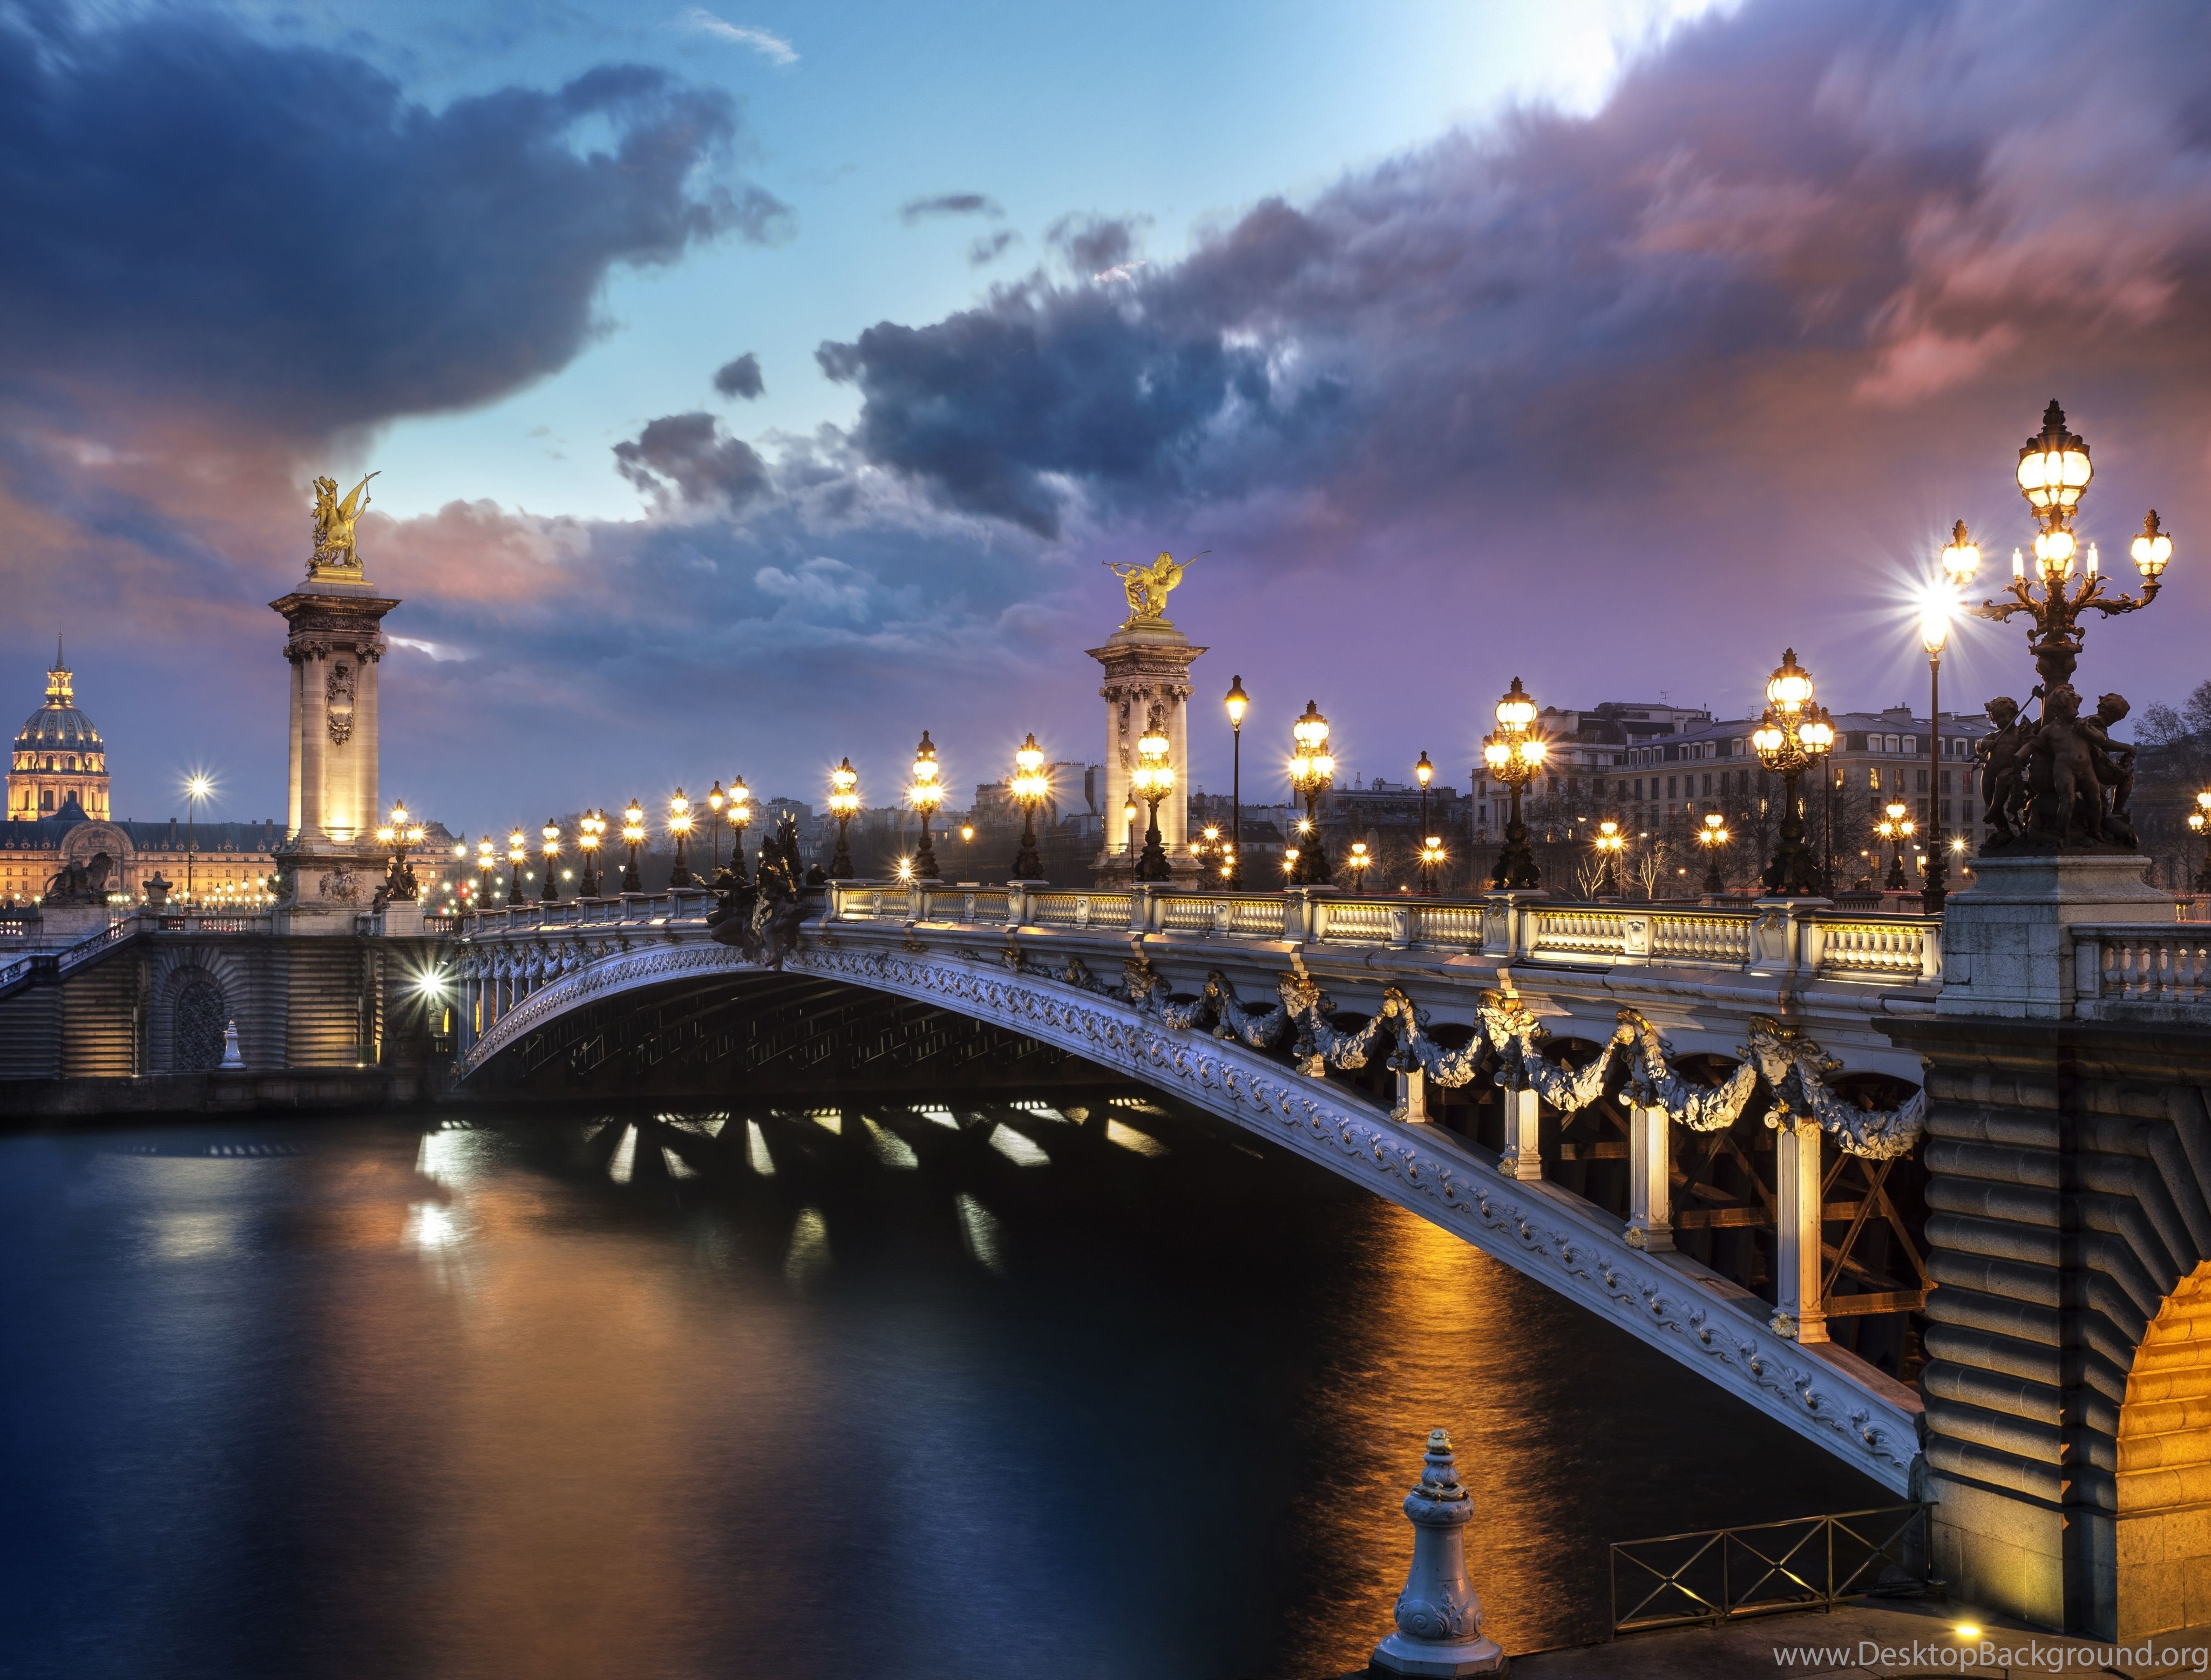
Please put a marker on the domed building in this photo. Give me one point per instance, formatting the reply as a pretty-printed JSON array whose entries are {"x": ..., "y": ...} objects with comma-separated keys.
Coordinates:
[{"x": 59, "y": 757}]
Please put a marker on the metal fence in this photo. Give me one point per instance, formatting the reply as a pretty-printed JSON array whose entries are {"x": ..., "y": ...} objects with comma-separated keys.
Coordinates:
[{"x": 1726, "y": 1574}]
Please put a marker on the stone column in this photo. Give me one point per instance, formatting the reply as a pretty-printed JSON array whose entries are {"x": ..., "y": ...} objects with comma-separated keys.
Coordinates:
[
  {"x": 314, "y": 740},
  {"x": 293, "y": 813},
  {"x": 1524, "y": 1145},
  {"x": 1797, "y": 1311},
  {"x": 1649, "y": 1179},
  {"x": 1412, "y": 1098},
  {"x": 1147, "y": 664}
]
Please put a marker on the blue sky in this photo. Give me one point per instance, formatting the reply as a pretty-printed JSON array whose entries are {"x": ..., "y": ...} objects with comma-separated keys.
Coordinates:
[{"x": 1613, "y": 347}]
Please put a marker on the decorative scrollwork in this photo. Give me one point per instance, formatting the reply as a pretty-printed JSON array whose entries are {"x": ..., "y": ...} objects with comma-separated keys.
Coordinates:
[
  {"x": 1796, "y": 1070},
  {"x": 1652, "y": 1081}
]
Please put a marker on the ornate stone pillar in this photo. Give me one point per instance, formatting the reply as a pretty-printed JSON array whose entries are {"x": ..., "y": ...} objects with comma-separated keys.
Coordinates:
[
  {"x": 1797, "y": 1311},
  {"x": 1438, "y": 1614},
  {"x": 1412, "y": 1098},
  {"x": 1147, "y": 663},
  {"x": 330, "y": 862},
  {"x": 1649, "y": 1179}
]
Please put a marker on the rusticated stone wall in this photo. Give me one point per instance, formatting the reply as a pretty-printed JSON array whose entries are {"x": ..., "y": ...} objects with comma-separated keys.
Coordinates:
[{"x": 2069, "y": 1198}]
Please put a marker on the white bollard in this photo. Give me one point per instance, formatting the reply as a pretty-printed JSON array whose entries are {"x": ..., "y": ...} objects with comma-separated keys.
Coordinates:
[
  {"x": 1439, "y": 1613},
  {"x": 231, "y": 1058}
]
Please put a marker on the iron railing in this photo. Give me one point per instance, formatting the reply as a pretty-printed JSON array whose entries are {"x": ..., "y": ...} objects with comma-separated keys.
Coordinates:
[{"x": 1727, "y": 1575}]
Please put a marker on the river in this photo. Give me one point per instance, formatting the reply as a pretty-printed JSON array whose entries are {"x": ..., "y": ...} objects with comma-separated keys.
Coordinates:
[{"x": 862, "y": 1391}]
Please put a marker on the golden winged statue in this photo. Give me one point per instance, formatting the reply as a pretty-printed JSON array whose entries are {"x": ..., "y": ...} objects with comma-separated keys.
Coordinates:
[
  {"x": 334, "y": 522},
  {"x": 1147, "y": 588}
]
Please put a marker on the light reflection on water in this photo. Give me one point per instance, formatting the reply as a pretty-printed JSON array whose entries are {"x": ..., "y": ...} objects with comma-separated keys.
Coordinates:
[{"x": 655, "y": 1395}]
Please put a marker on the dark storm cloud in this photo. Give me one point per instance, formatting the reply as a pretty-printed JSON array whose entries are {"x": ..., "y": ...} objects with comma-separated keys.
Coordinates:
[
  {"x": 949, "y": 203},
  {"x": 990, "y": 247},
  {"x": 741, "y": 378},
  {"x": 688, "y": 458},
  {"x": 1788, "y": 218},
  {"x": 280, "y": 230}
]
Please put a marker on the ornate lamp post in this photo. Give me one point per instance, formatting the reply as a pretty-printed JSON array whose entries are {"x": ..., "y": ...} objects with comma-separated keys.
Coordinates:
[
  {"x": 1713, "y": 836},
  {"x": 400, "y": 832},
  {"x": 1609, "y": 843},
  {"x": 1313, "y": 771},
  {"x": 1152, "y": 779},
  {"x": 1130, "y": 812},
  {"x": 1961, "y": 558},
  {"x": 1029, "y": 788},
  {"x": 1896, "y": 829},
  {"x": 486, "y": 861},
  {"x": 679, "y": 824},
  {"x": 633, "y": 836},
  {"x": 844, "y": 805},
  {"x": 550, "y": 833},
  {"x": 590, "y": 831},
  {"x": 1359, "y": 863},
  {"x": 517, "y": 853},
  {"x": 741, "y": 818},
  {"x": 1795, "y": 733},
  {"x": 1231, "y": 870},
  {"x": 1424, "y": 772},
  {"x": 1514, "y": 753},
  {"x": 1433, "y": 856},
  {"x": 2200, "y": 821},
  {"x": 925, "y": 795},
  {"x": 715, "y": 800}
]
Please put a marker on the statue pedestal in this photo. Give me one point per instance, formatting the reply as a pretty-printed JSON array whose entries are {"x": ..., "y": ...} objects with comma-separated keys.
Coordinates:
[
  {"x": 1146, "y": 666},
  {"x": 2006, "y": 939}
]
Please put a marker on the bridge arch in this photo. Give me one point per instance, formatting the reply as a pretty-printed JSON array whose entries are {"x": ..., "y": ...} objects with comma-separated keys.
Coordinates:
[
  {"x": 2164, "y": 1527},
  {"x": 1574, "y": 1249},
  {"x": 192, "y": 996}
]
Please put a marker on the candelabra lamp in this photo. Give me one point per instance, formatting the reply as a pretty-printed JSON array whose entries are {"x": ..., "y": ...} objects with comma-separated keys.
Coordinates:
[
  {"x": 679, "y": 825},
  {"x": 1359, "y": 863},
  {"x": 1795, "y": 734},
  {"x": 2200, "y": 821},
  {"x": 715, "y": 800},
  {"x": 1312, "y": 772},
  {"x": 740, "y": 799},
  {"x": 844, "y": 805},
  {"x": 1895, "y": 826},
  {"x": 1424, "y": 772},
  {"x": 925, "y": 793},
  {"x": 591, "y": 833},
  {"x": 551, "y": 836},
  {"x": 633, "y": 836},
  {"x": 1152, "y": 779},
  {"x": 1030, "y": 786},
  {"x": 1433, "y": 856},
  {"x": 1514, "y": 753},
  {"x": 518, "y": 854},
  {"x": 1610, "y": 844},
  {"x": 401, "y": 834},
  {"x": 1713, "y": 835},
  {"x": 486, "y": 861}
]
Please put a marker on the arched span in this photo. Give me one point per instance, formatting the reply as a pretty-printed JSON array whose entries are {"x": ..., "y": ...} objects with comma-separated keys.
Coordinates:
[{"x": 1569, "y": 1247}]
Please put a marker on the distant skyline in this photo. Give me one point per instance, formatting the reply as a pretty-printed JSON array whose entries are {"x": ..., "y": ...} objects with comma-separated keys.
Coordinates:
[{"x": 752, "y": 387}]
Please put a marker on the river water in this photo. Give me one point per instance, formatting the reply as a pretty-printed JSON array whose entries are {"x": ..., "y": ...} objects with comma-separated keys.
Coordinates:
[{"x": 731, "y": 1393}]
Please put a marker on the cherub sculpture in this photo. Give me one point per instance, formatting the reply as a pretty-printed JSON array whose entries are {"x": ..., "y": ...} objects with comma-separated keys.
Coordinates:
[
  {"x": 2001, "y": 754},
  {"x": 2065, "y": 800}
]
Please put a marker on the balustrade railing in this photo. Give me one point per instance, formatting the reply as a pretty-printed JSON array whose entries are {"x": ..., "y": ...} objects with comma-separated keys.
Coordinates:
[{"x": 2169, "y": 964}]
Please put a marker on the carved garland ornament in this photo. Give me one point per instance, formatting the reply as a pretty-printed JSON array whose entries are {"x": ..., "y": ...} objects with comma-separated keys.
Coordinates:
[{"x": 337, "y": 702}]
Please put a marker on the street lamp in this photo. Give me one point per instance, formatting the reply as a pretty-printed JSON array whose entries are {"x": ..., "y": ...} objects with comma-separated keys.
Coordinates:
[
  {"x": 1514, "y": 752},
  {"x": 2200, "y": 821},
  {"x": 1312, "y": 770},
  {"x": 715, "y": 800},
  {"x": 401, "y": 834},
  {"x": 741, "y": 818},
  {"x": 844, "y": 803},
  {"x": 1232, "y": 872},
  {"x": 633, "y": 836},
  {"x": 590, "y": 830},
  {"x": 1895, "y": 826},
  {"x": 679, "y": 824},
  {"x": 1359, "y": 863},
  {"x": 1030, "y": 786},
  {"x": 1424, "y": 772},
  {"x": 486, "y": 861},
  {"x": 1795, "y": 733},
  {"x": 925, "y": 794},
  {"x": 1934, "y": 634},
  {"x": 2053, "y": 475},
  {"x": 1609, "y": 843},
  {"x": 551, "y": 834},
  {"x": 1130, "y": 812},
  {"x": 1152, "y": 779},
  {"x": 517, "y": 853},
  {"x": 1433, "y": 856},
  {"x": 1712, "y": 836}
]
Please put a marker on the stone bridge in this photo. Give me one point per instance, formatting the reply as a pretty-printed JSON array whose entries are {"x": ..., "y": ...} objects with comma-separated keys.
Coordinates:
[{"x": 1547, "y": 1082}]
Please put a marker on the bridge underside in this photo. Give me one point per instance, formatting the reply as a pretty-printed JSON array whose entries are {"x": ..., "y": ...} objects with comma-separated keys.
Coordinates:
[{"x": 771, "y": 1035}]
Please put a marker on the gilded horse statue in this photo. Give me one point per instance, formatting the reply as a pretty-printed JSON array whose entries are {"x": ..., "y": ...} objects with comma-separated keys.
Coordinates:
[
  {"x": 334, "y": 519},
  {"x": 1147, "y": 588}
]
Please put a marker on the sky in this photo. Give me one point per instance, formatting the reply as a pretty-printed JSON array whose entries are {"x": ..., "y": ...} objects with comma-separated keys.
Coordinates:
[{"x": 752, "y": 386}]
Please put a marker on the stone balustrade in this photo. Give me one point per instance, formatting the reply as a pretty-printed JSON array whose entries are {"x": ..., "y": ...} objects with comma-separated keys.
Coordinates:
[{"x": 2136, "y": 972}]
